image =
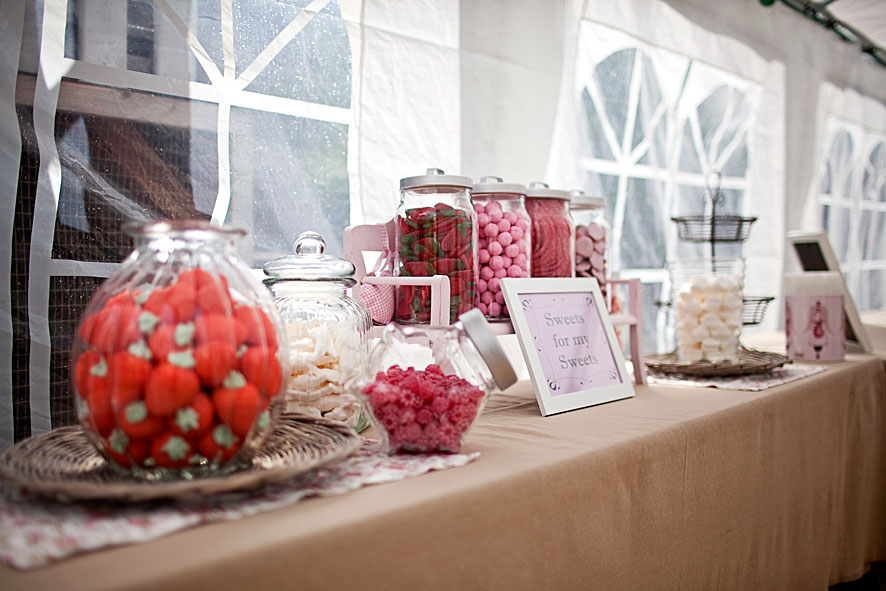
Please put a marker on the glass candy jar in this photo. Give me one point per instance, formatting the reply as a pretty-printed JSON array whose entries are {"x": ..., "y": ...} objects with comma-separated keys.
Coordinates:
[
  {"x": 591, "y": 237},
  {"x": 707, "y": 302},
  {"x": 328, "y": 331},
  {"x": 436, "y": 235},
  {"x": 504, "y": 241},
  {"x": 176, "y": 365},
  {"x": 552, "y": 244},
  {"x": 424, "y": 387}
]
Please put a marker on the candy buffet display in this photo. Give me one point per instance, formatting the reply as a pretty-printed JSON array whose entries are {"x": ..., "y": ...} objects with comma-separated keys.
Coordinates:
[
  {"x": 436, "y": 235},
  {"x": 176, "y": 365},
  {"x": 424, "y": 387},
  {"x": 553, "y": 248},
  {"x": 591, "y": 237},
  {"x": 707, "y": 305},
  {"x": 504, "y": 240},
  {"x": 328, "y": 332}
]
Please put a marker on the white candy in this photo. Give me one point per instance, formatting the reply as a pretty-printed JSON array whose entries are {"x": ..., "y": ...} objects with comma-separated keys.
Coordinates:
[
  {"x": 710, "y": 320},
  {"x": 722, "y": 332},
  {"x": 711, "y": 303},
  {"x": 699, "y": 333}
]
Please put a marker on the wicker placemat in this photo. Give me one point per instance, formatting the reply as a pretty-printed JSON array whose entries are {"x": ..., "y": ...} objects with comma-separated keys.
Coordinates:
[
  {"x": 63, "y": 464},
  {"x": 749, "y": 362}
]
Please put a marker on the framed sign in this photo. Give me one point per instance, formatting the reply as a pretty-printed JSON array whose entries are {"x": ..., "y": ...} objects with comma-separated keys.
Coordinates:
[
  {"x": 568, "y": 342},
  {"x": 815, "y": 254}
]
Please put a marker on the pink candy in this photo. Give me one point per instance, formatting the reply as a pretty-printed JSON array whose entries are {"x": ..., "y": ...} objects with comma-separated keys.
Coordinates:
[
  {"x": 590, "y": 250},
  {"x": 504, "y": 244}
]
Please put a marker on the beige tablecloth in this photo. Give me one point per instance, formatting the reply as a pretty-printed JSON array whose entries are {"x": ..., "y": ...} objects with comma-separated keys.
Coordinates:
[{"x": 677, "y": 488}]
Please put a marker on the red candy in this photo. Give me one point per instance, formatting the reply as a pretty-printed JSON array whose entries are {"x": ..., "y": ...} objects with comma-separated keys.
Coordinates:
[
  {"x": 551, "y": 238},
  {"x": 180, "y": 371},
  {"x": 424, "y": 410}
]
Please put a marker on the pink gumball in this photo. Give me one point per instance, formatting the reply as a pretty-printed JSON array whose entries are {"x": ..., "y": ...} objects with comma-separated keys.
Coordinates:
[
  {"x": 486, "y": 273},
  {"x": 523, "y": 246},
  {"x": 496, "y": 263},
  {"x": 511, "y": 217},
  {"x": 516, "y": 232},
  {"x": 491, "y": 230},
  {"x": 484, "y": 255},
  {"x": 494, "y": 248},
  {"x": 494, "y": 287},
  {"x": 494, "y": 310},
  {"x": 505, "y": 238},
  {"x": 521, "y": 260},
  {"x": 482, "y": 219},
  {"x": 482, "y": 285},
  {"x": 501, "y": 273},
  {"x": 482, "y": 307},
  {"x": 523, "y": 224},
  {"x": 487, "y": 297},
  {"x": 512, "y": 250},
  {"x": 503, "y": 225},
  {"x": 516, "y": 271},
  {"x": 479, "y": 208},
  {"x": 499, "y": 297},
  {"x": 506, "y": 262},
  {"x": 493, "y": 207},
  {"x": 494, "y": 214}
]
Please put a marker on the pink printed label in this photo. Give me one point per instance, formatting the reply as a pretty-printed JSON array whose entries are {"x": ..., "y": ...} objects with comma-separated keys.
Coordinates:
[
  {"x": 571, "y": 342},
  {"x": 814, "y": 327}
]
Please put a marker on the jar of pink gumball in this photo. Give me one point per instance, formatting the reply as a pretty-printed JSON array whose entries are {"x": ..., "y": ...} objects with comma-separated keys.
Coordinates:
[
  {"x": 553, "y": 248},
  {"x": 591, "y": 237},
  {"x": 504, "y": 232}
]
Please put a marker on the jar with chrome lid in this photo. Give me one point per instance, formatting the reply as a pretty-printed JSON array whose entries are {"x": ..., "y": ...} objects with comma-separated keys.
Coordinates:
[
  {"x": 328, "y": 331},
  {"x": 436, "y": 235},
  {"x": 424, "y": 387},
  {"x": 553, "y": 248},
  {"x": 504, "y": 232},
  {"x": 591, "y": 237}
]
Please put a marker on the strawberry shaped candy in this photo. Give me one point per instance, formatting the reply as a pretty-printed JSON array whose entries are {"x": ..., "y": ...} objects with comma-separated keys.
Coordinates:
[
  {"x": 237, "y": 405},
  {"x": 214, "y": 361},
  {"x": 137, "y": 424},
  {"x": 130, "y": 449},
  {"x": 219, "y": 443},
  {"x": 128, "y": 375},
  {"x": 260, "y": 367},
  {"x": 194, "y": 419},
  {"x": 169, "y": 388},
  {"x": 171, "y": 451}
]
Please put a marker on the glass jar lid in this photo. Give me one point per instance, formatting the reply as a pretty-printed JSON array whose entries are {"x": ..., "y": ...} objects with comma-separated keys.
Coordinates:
[
  {"x": 538, "y": 189},
  {"x": 309, "y": 263},
  {"x": 475, "y": 326},
  {"x": 495, "y": 184},
  {"x": 435, "y": 177},
  {"x": 579, "y": 200}
]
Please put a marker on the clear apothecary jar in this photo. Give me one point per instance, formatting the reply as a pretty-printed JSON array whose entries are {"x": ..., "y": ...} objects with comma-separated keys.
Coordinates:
[
  {"x": 424, "y": 387},
  {"x": 553, "y": 247},
  {"x": 178, "y": 361},
  {"x": 328, "y": 331},
  {"x": 591, "y": 237},
  {"x": 436, "y": 235},
  {"x": 706, "y": 295},
  {"x": 504, "y": 243}
]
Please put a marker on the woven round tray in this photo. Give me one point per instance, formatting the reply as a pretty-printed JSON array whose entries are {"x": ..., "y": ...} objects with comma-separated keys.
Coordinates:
[
  {"x": 749, "y": 362},
  {"x": 63, "y": 464}
]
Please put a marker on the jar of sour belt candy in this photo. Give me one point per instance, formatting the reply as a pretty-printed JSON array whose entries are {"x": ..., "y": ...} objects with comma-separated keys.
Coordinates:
[
  {"x": 553, "y": 249},
  {"x": 436, "y": 235},
  {"x": 504, "y": 240}
]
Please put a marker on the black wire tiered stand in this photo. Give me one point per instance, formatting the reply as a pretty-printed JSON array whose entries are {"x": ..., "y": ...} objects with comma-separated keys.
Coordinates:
[{"x": 715, "y": 229}]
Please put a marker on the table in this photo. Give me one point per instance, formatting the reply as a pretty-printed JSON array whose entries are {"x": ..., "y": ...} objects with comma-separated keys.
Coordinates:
[
  {"x": 875, "y": 322},
  {"x": 676, "y": 488}
]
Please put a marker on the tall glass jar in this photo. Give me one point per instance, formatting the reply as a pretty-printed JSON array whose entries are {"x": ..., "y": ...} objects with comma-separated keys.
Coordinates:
[
  {"x": 328, "y": 331},
  {"x": 425, "y": 386},
  {"x": 436, "y": 235},
  {"x": 178, "y": 361},
  {"x": 591, "y": 237},
  {"x": 504, "y": 232},
  {"x": 553, "y": 248},
  {"x": 707, "y": 301}
]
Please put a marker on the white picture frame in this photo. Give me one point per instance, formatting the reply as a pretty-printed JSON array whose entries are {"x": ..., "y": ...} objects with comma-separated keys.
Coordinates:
[
  {"x": 813, "y": 250},
  {"x": 568, "y": 342}
]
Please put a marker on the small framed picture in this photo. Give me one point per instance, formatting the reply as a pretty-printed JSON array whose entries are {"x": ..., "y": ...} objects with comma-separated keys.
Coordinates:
[{"x": 568, "y": 342}]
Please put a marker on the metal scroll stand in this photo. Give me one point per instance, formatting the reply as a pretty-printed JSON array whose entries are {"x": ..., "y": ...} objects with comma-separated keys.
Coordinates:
[{"x": 712, "y": 193}]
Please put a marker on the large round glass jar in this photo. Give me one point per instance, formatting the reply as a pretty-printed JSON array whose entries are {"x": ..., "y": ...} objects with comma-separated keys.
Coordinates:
[
  {"x": 504, "y": 243},
  {"x": 591, "y": 237},
  {"x": 328, "y": 331},
  {"x": 178, "y": 361},
  {"x": 424, "y": 387},
  {"x": 707, "y": 301},
  {"x": 436, "y": 235},
  {"x": 552, "y": 243}
]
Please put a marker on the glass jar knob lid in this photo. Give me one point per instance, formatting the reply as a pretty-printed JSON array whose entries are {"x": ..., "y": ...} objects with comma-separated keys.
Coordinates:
[
  {"x": 310, "y": 262},
  {"x": 475, "y": 326}
]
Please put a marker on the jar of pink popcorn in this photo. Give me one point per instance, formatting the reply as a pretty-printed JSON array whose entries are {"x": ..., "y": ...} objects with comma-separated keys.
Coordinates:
[
  {"x": 553, "y": 249},
  {"x": 504, "y": 240},
  {"x": 424, "y": 387},
  {"x": 436, "y": 235},
  {"x": 591, "y": 237}
]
